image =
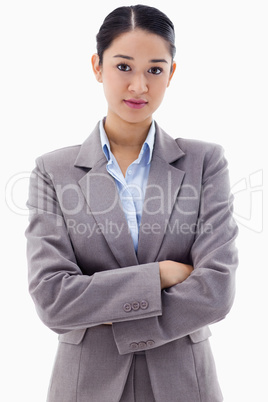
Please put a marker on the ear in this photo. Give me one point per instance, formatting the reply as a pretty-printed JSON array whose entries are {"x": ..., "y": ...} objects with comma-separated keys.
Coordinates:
[
  {"x": 174, "y": 66},
  {"x": 95, "y": 61}
]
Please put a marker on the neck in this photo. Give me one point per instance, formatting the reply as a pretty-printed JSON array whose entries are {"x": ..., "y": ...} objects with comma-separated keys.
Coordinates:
[{"x": 124, "y": 134}]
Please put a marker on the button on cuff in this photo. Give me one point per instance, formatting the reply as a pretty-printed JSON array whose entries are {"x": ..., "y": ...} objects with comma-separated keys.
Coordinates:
[
  {"x": 135, "y": 306},
  {"x": 134, "y": 346},
  {"x": 127, "y": 307},
  {"x": 142, "y": 345},
  {"x": 144, "y": 304},
  {"x": 150, "y": 343}
]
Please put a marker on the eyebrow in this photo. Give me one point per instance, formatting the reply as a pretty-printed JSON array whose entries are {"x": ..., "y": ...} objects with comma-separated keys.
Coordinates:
[{"x": 132, "y": 58}]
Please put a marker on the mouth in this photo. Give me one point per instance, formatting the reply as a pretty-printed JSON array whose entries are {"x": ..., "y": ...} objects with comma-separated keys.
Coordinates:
[{"x": 135, "y": 103}]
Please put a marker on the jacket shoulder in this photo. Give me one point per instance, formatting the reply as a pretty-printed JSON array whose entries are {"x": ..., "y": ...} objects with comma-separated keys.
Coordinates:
[
  {"x": 198, "y": 147},
  {"x": 59, "y": 159},
  {"x": 202, "y": 152}
]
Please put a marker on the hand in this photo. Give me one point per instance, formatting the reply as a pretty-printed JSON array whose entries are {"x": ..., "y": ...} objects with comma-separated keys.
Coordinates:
[{"x": 172, "y": 273}]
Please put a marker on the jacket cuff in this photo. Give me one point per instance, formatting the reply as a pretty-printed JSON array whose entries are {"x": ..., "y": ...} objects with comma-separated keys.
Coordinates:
[
  {"x": 143, "y": 298},
  {"x": 139, "y": 313}
]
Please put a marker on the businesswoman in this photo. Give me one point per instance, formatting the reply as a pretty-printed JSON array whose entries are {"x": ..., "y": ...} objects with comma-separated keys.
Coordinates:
[{"x": 131, "y": 248}]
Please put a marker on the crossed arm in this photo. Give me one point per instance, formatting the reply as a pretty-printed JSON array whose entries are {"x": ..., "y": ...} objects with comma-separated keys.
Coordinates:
[
  {"x": 66, "y": 299},
  {"x": 171, "y": 273}
]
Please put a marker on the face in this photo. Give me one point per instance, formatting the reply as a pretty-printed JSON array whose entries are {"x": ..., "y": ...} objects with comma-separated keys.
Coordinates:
[{"x": 135, "y": 73}]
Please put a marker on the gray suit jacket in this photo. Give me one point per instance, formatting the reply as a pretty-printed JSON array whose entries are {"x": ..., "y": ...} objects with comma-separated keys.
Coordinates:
[{"x": 83, "y": 270}]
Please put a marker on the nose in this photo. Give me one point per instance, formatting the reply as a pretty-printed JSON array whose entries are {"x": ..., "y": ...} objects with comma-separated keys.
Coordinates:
[{"x": 138, "y": 84}]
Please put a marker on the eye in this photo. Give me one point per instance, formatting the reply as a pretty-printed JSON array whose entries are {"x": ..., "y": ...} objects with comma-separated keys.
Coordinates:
[
  {"x": 123, "y": 67},
  {"x": 155, "y": 70}
]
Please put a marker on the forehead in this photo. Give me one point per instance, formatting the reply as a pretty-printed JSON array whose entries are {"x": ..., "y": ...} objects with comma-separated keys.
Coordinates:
[{"x": 139, "y": 43}]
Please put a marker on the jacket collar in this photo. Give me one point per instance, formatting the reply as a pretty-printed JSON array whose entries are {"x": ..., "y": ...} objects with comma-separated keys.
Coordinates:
[{"x": 91, "y": 153}]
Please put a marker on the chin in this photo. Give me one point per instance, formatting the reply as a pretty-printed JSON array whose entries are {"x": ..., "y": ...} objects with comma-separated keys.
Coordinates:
[
  {"x": 137, "y": 121},
  {"x": 136, "y": 117}
]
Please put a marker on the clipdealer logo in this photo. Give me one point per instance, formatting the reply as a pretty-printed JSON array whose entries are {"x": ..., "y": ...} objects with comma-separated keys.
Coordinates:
[{"x": 248, "y": 195}]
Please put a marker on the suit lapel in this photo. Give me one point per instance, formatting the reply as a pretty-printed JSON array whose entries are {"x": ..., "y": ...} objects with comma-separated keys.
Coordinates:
[
  {"x": 103, "y": 201},
  {"x": 163, "y": 186}
]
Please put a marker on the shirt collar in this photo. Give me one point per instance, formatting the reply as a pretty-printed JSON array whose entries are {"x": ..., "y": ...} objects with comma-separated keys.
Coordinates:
[{"x": 147, "y": 145}]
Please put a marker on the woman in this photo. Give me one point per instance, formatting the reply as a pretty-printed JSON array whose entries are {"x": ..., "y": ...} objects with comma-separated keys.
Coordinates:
[{"x": 131, "y": 237}]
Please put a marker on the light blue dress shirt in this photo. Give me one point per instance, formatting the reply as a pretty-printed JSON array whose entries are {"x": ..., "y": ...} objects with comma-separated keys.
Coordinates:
[{"x": 132, "y": 187}]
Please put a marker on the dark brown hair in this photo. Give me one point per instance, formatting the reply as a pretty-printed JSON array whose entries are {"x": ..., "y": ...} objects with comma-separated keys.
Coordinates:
[{"x": 125, "y": 19}]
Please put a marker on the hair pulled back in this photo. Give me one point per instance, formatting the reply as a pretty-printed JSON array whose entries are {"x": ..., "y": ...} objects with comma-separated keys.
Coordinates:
[{"x": 125, "y": 19}]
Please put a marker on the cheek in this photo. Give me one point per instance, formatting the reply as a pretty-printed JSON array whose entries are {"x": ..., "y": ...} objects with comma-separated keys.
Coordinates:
[
  {"x": 159, "y": 90},
  {"x": 112, "y": 83}
]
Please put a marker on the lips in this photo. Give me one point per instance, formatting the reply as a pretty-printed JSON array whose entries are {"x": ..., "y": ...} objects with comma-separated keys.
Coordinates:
[{"x": 135, "y": 103}]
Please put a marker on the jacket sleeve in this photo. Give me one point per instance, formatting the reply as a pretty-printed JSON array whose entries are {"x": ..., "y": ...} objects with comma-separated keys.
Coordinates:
[
  {"x": 64, "y": 297},
  {"x": 208, "y": 293}
]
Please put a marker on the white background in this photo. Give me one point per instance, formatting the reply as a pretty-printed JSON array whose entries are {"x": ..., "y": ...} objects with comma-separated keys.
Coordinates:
[{"x": 50, "y": 99}]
